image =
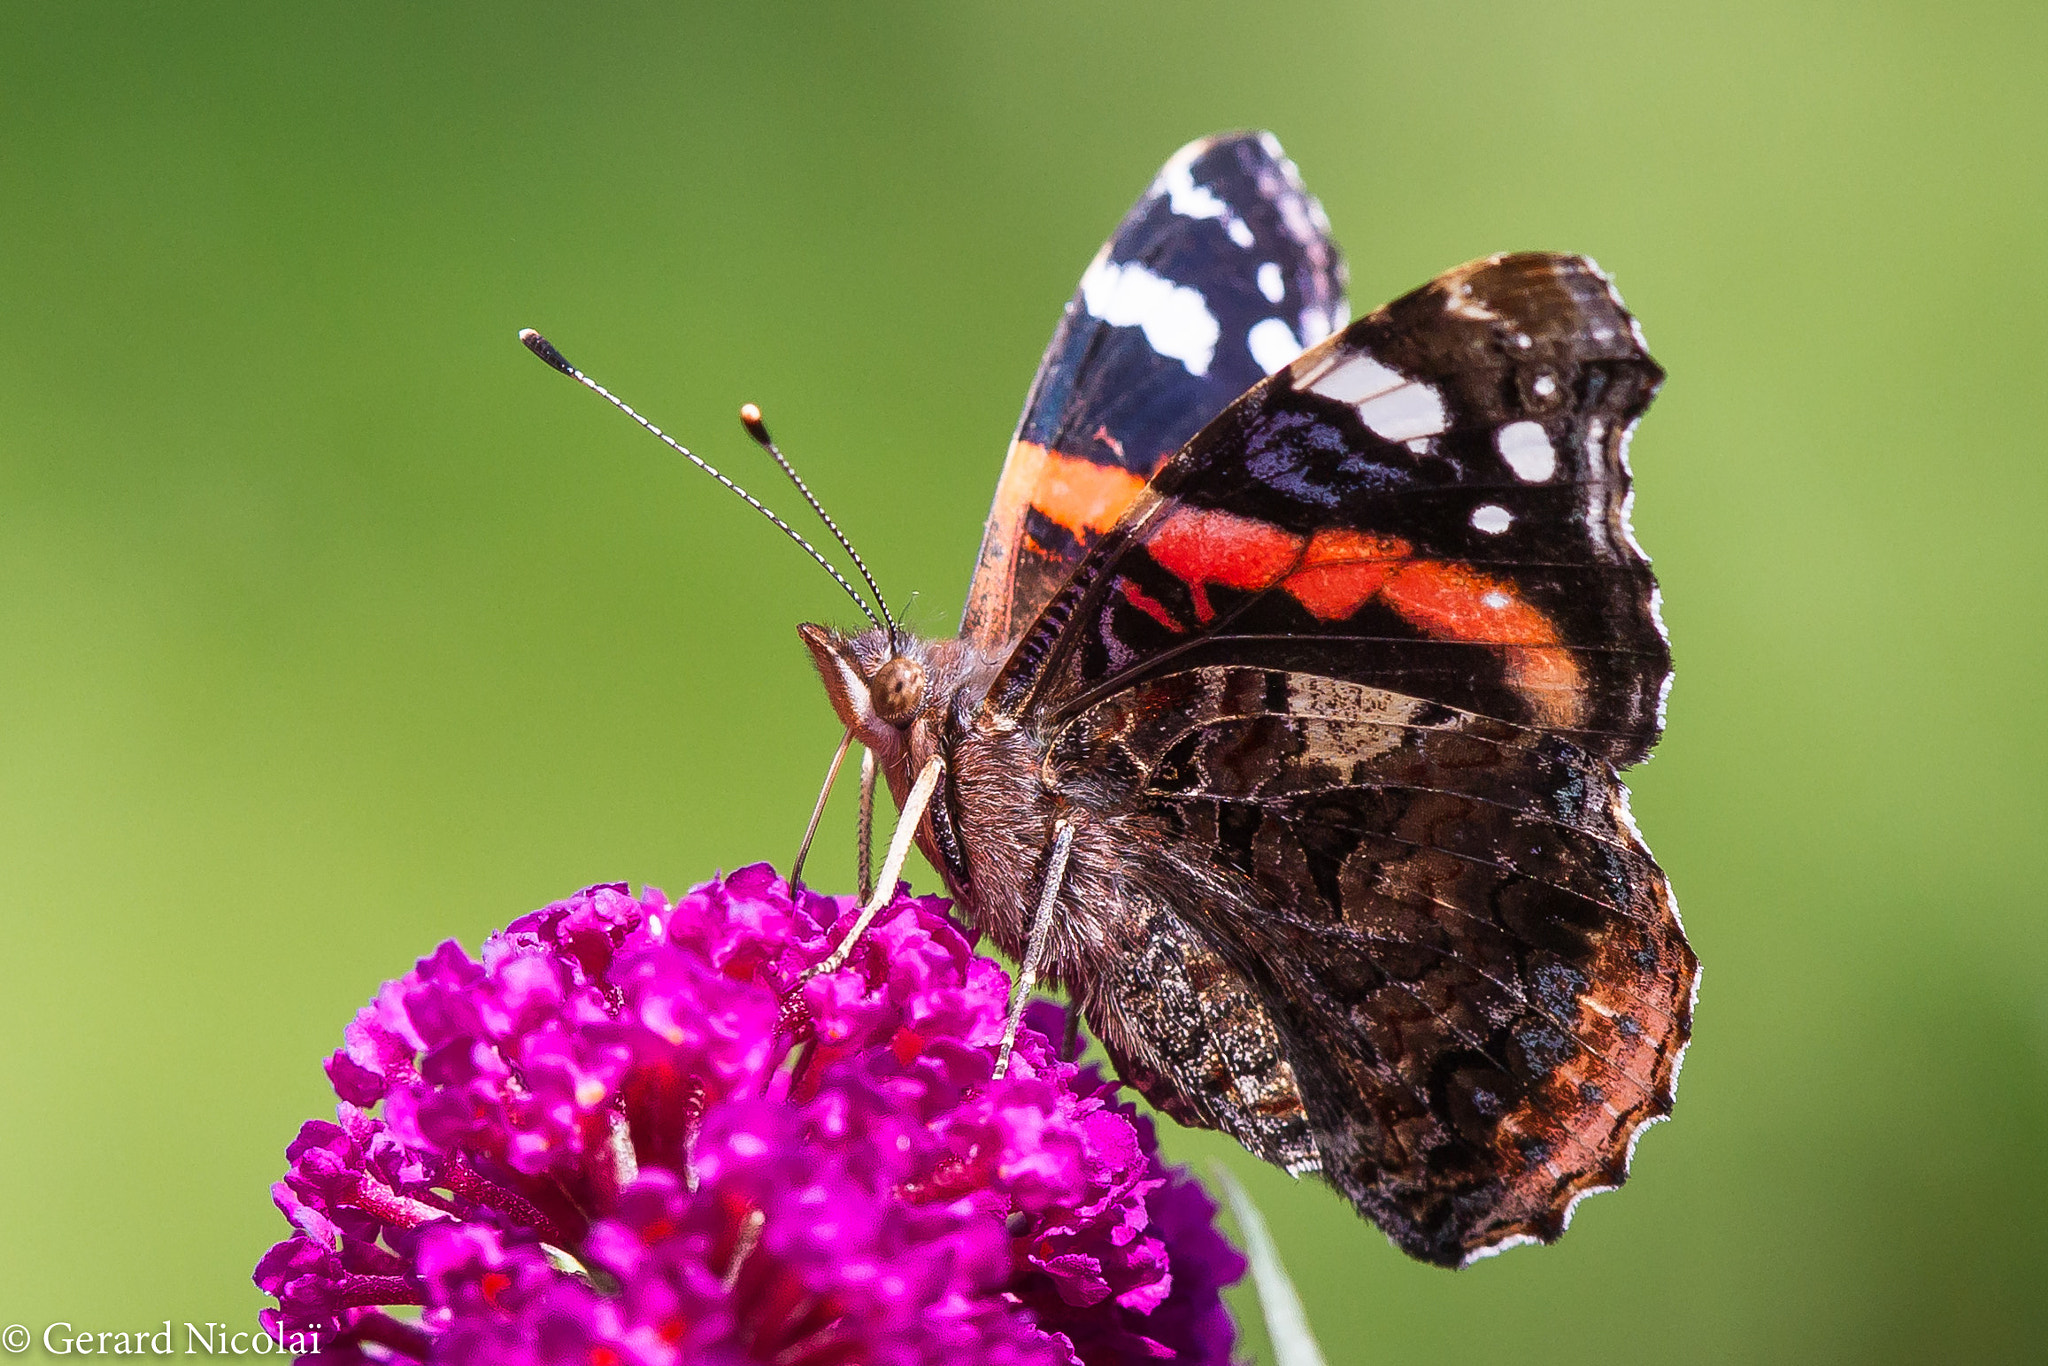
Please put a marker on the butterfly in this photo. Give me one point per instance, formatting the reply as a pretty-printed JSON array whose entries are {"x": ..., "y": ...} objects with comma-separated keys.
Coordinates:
[{"x": 1284, "y": 725}]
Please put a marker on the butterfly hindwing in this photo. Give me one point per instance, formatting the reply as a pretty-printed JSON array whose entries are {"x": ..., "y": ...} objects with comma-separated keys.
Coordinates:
[
  {"x": 1220, "y": 274},
  {"x": 1467, "y": 960}
]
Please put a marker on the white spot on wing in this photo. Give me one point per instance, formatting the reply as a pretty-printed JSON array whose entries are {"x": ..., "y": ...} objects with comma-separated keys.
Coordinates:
[
  {"x": 1526, "y": 448},
  {"x": 1176, "y": 319},
  {"x": 1461, "y": 302},
  {"x": 1318, "y": 323},
  {"x": 1635, "y": 326},
  {"x": 1352, "y": 379},
  {"x": 1544, "y": 386},
  {"x": 1494, "y": 599},
  {"x": 1191, "y": 200},
  {"x": 1294, "y": 214},
  {"x": 1270, "y": 282},
  {"x": 1395, "y": 407},
  {"x": 1492, "y": 519},
  {"x": 1184, "y": 196},
  {"x": 1272, "y": 344},
  {"x": 1408, "y": 413}
]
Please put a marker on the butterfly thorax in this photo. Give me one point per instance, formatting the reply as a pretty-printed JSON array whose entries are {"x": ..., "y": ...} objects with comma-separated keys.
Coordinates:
[
  {"x": 1114, "y": 939},
  {"x": 991, "y": 818}
]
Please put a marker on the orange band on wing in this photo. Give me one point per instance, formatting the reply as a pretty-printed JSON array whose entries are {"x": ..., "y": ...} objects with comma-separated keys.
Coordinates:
[
  {"x": 1077, "y": 494},
  {"x": 1068, "y": 490},
  {"x": 1341, "y": 570},
  {"x": 1457, "y": 602}
]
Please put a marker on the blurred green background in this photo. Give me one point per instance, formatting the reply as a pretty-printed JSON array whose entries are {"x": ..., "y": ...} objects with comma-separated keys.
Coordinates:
[{"x": 332, "y": 625}]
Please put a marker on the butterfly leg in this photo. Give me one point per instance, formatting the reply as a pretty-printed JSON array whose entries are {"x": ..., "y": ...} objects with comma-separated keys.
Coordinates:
[
  {"x": 1041, "y": 931},
  {"x": 892, "y": 866},
  {"x": 803, "y": 851},
  {"x": 867, "y": 825}
]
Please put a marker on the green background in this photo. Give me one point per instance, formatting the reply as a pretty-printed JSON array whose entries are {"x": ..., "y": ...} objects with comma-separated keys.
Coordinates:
[{"x": 332, "y": 625}]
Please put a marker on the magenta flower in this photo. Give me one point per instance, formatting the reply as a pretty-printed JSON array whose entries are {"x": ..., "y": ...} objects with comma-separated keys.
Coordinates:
[{"x": 634, "y": 1134}]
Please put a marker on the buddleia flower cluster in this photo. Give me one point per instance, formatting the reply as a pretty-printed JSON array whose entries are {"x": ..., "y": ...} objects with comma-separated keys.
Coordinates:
[{"x": 637, "y": 1132}]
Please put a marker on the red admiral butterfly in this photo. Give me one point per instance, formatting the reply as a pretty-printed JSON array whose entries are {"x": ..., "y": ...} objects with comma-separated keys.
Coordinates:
[{"x": 1284, "y": 721}]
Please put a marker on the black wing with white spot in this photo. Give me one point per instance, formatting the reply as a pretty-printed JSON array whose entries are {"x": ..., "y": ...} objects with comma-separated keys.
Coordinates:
[
  {"x": 1434, "y": 502},
  {"x": 1223, "y": 272}
]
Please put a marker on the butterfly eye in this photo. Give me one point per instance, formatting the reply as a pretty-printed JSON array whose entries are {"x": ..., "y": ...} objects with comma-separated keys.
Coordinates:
[{"x": 897, "y": 690}]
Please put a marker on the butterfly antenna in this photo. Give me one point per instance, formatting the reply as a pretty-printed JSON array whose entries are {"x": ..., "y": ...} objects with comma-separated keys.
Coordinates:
[
  {"x": 542, "y": 347},
  {"x": 750, "y": 418}
]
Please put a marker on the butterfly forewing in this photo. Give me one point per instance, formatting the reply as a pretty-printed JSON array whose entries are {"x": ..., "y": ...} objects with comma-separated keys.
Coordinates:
[
  {"x": 1434, "y": 501},
  {"x": 1222, "y": 273}
]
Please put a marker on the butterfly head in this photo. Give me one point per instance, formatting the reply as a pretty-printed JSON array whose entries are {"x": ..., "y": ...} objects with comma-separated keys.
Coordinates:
[{"x": 879, "y": 686}]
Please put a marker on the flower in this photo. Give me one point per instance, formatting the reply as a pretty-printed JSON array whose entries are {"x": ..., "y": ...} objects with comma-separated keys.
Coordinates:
[{"x": 635, "y": 1132}]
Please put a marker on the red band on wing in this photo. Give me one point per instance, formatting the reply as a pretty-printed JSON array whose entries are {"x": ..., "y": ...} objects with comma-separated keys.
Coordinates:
[
  {"x": 1151, "y": 607},
  {"x": 1457, "y": 602},
  {"x": 1335, "y": 572},
  {"x": 1201, "y": 546}
]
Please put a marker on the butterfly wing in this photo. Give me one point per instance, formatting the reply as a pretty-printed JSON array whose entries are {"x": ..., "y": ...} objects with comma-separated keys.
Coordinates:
[
  {"x": 1430, "y": 958},
  {"x": 1435, "y": 502},
  {"x": 1220, "y": 274},
  {"x": 1354, "y": 675}
]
